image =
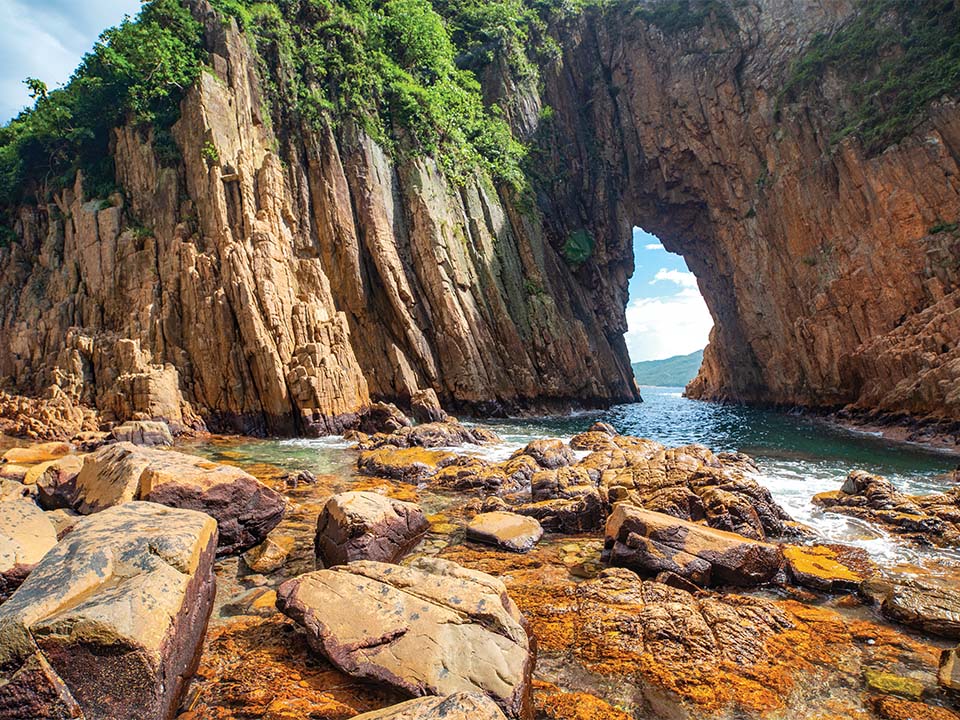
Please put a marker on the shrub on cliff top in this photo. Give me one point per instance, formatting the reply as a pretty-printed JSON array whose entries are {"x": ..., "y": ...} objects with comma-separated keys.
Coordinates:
[
  {"x": 136, "y": 72},
  {"x": 895, "y": 56}
]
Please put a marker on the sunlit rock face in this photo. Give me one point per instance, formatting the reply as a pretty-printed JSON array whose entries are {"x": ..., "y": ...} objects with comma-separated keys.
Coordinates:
[{"x": 286, "y": 281}]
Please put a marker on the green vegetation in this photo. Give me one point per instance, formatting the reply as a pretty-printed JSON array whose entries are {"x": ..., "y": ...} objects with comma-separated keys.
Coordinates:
[
  {"x": 579, "y": 247},
  {"x": 671, "y": 372},
  {"x": 136, "y": 72},
  {"x": 896, "y": 56},
  {"x": 942, "y": 226},
  {"x": 677, "y": 16}
]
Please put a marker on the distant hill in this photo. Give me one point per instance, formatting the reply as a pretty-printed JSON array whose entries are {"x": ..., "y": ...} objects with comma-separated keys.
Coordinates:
[{"x": 672, "y": 372}]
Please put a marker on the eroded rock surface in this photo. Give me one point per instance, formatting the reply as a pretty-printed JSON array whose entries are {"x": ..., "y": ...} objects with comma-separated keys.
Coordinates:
[
  {"x": 462, "y": 706},
  {"x": 651, "y": 543},
  {"x": 110, "y": 623},
  {"x": 433, "y": 628},
  {"x": 367, "y": 526},
  {"x": 505, "y": 530}
]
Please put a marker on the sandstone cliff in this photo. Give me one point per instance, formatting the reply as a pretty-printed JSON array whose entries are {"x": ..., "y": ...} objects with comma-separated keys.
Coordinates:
[{"x": 282, "y": 276}]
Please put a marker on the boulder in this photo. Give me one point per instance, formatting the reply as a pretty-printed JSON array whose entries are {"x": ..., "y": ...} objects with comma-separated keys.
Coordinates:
[
  {"x": 110, "y": 623},
  {"x": 65, "y": 466},
  {"x": 462, "y": 706},
  {"x": 433, "y": 628},
  {"x": 411, "y": 464},
  {"x": 650, "y": 543},
  {"x": 244, "y": 508},
  {"x": 449, "y": 433},
  {"x": 383, "y": 418},
  {"x": 549, "y": 454},
  {"x": 950, "y": 669},
  {"x": 26, "y": 535},
  {"x": 57, "y": 484},
  {"x": 506, "y": 530},
  {"x": 467, "y": 473},
  {"x": 143, "y": 432},
  {"x": 39, "y": 453},
  {"x": 925, "y": 604},
  {"x": 367, "y": 526},
  {"x": 425, "y": 407},
  {"x": 583, "y": 513},
  {"x": 271, "y": 554}
]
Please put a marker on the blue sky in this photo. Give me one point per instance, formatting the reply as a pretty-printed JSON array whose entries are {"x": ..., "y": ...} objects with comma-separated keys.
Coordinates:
[
  {"x": 47, "y": 38},
  {"x": 666, "y": 314}
]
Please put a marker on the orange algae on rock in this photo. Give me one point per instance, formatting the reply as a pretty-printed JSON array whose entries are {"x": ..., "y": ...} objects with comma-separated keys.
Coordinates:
[
  {"x": 264, "y": 669},
  {"x": 894, "y": 708},
  {"x": 553, "y": 703}
]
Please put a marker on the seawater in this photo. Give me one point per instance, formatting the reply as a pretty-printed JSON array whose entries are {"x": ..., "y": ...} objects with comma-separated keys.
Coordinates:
[{"x": 798, "y": 456}]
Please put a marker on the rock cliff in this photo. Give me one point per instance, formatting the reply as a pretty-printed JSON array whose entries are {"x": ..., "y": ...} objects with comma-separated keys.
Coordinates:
[{"x": 282, "y": 275}]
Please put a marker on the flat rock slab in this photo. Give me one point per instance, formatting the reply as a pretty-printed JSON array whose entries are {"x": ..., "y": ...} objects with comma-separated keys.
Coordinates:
[
  {"x": 37, "y": 453},
  {"x": 651, "y": 542},
  {"x": 828, "y": 569},
  {"x": 110, "y": 623},
  {"x": 924, "y": 604},
  {"x": 506, "y": 530},
  {"x": 462, "y": 706},
  {"x": 433, "y": 628},
  {"x": 367, "y": 526},
  {"x": 244, "y": 508},
  {"x": 26, "y": 535}
]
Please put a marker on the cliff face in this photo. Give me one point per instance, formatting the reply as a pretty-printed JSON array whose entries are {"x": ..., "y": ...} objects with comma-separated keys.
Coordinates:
[{"x": 278, "y": 286}]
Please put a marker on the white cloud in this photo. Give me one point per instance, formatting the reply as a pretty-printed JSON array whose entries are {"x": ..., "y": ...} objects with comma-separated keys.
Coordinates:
[
  {"x": 46, "y": 39},
  {"x": 683, "y": 279},
  {"x": 665, "y": 326},
  {"x": 654, "y": 246}
]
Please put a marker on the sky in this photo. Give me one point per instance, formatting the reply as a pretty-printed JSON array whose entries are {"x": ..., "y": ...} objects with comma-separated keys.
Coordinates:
[
  {"x": 666, "y": 314},
  {"x": 46, "y": 39}
]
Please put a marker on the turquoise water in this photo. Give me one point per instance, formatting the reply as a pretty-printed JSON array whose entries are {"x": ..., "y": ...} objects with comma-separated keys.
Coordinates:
[{"x": 799, "y": 456}]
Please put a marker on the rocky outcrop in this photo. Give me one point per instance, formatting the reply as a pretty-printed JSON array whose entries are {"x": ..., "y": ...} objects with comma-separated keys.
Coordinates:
[
  {"x": 367, "y": 526},
  {"x": 245, "y": 509},
  {"x": 122, "y": 604},
  {"x": 651, "y": 543},
  {"x": 924, "y": 604},
  {"x": 462, "y": 706},
  {"x": 433, "y": 628},
  {"x": 925, "y": 519}
]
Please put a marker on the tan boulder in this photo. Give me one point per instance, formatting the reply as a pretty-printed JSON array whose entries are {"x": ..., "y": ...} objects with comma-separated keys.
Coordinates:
[
  {"x": 367, "y": 526},
  {"x": 143, "y": 432},
  {"x": 433, "y": 628},
  {"x": 110, "y": 623},
  {"x": 548, "y": 453},
  {"x": 26, "y": 535},
  {"x": 244, "y": 508},
  {"x": 506, "y": 530},
  {"x": 66, "y": 465},
  {"x": 38, "y": 453},
  {"x": 829, "y": 569},
  {"x": 409, "y": 464},
  {"x": 271, "y": 554},
  {"x": 461, "y": 706},
  {"x": 650, "y": 543}
]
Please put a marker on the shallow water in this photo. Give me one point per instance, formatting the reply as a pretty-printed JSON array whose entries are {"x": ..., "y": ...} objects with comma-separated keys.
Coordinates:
[{"x": 799, "y": 456}]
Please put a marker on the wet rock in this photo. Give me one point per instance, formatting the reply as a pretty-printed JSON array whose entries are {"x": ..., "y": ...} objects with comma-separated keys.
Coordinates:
[
  {"x": 690, "y": 483},
  {"x": 462, "y": 706},
  {"x": 26, "y": 535},
  {"x": 304, "y": 477},
  {"x": 651, "y": 543},
  {"x": 425, "y": 407},
  {"x": 924, "y": 604},
  {"x": 893, "y": 684},
  {"x": 367, "y": 526},
  {"x": 582, "y": 513},
  {"x": 412, "y": 464},
  {"x": 925, "y": 519},
  {"x": 505, "y": 530},
  {"x": 383, "y": 418},
  {"x": 433, "y": 628},
  {"x": 271, "y": 554},
  {"x": 257, "y": 601},
  {"x": 549, "y": 454},
  {"x": 38, "y": 453},
  {"x": 449, "y": 433},
  {"x": 471, "y": 473},
  {"x": 121, "y": 604},
  {"x": 950, "y": 669},
  {"x": 143, "y": 432},
  {"x": 244, "y": 508},
  {"x": 826, "y": 569}
]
